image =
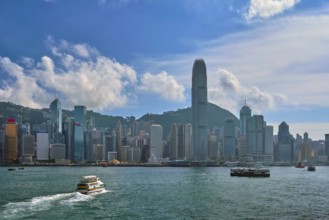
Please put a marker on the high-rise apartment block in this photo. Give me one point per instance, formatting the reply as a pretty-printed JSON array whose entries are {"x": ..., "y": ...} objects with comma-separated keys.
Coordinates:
[{"x": 180, "y": 142}]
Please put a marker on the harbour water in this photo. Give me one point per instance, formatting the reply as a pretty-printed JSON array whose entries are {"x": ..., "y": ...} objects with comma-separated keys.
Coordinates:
[{"x": 164, "y": 193}]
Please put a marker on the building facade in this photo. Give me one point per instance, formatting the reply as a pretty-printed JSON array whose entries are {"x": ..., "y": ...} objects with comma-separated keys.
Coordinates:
[
  {"x": 79, "y": 128},
  {"x": 326, "y": 144},
  {"x": 229, "y": 141},
  {"x": 55, "y": 133},
  {"x": 11, "y": 141},
  {"x": 156, "y": 142},
  {"x": 42, "y": 146},
  {"x": 180, "y": 142},
  {"x": 285, "y": 143},
  {"x": 245, "y": 114}
]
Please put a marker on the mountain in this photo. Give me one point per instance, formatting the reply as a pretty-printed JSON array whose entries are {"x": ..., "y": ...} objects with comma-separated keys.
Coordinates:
[{"x": 216, "y": 114}]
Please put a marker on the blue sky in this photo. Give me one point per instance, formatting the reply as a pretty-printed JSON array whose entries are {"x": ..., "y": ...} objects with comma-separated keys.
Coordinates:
[{"x": 132, "y": 57}]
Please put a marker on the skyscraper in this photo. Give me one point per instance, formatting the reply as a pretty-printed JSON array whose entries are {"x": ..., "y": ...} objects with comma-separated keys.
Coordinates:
[
  {"x": 11, "y": 141},
  {"x": 56, "y": 122},
  {"x": 180, "y": 142},
  {"x": 156, "y": 142},
  {"x": 199, "y": 111},
  {"x": 245, "y": 114},
  {"x": 285, "y": 143},
  {"x": 326, "y": 144},
  {"x": 229, "y": 139},
  {"x": 79, "y": 141},
  {"x": 255, "y": 135}
]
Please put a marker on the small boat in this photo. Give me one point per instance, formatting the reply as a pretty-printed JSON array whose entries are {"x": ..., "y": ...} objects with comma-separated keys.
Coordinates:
[
  {"x": 21, "y": 168},
  {"x": 300, "y": 165},
  {"x": 250, "y": 172},
  {"x": 311, "y": 168},
  {"x": 11, "y": 169},
  {"x": 90, "y": 184},
  {"x": 231, "y": 163}
]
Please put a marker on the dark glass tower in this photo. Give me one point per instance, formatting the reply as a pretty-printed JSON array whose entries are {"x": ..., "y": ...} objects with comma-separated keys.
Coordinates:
[
  {"x": 199, "y": 111},
  {"x": 79, "y": 128},
  {"x": 55, "y": 122}
]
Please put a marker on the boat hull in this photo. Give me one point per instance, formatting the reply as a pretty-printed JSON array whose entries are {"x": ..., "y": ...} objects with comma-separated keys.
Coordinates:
[
  {"x": 250, "y": 175},
  {"x": 90, "y": 191},
  {"x": 249, "y": 172},
  {"x": 311, "y": 168}
]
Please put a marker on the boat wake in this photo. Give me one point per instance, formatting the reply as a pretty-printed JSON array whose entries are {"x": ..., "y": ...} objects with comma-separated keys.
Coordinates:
[{"x": 43, "y": 203}]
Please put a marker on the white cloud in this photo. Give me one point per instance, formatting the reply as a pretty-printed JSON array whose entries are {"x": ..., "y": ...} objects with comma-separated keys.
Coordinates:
[
  {"x": 81, "y": 50},
  {"x": 163, "y": 84},
  {"x": 268, "y": 8},
  {"x": 77, "y": 72},
  {"x": 27, "y": 61},
  {"x": 24, "y": 89},
  {"x": 98, "y": 84},
  {"x": 81, "y": 76},
  {"x": 225, "y": 90},
  {"x": 64, "y": 48}
]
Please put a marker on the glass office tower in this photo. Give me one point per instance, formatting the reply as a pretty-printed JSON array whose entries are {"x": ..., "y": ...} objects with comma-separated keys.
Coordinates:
[
  {"x": 79, "y": 125},
  {"x": 199, "y": 111}
]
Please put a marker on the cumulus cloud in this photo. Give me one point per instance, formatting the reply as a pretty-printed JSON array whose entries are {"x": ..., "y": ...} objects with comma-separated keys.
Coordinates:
[
  {"x": 80, "y": 75},
  {"x": 77, "y": 72},
  {"x": 226, "y": 91},
  {"x": 64, "y": 48},
  {"x": 163, "y": 84},
  {"x": 268, "y": 8},
  {"x": 23, "y": 89}
]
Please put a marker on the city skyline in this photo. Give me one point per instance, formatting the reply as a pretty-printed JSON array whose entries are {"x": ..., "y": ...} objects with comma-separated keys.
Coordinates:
[{"x": 130, "y": 58}]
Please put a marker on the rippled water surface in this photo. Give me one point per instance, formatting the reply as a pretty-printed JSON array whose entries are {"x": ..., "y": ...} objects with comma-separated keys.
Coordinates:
[{"x": 164, "y": 193}]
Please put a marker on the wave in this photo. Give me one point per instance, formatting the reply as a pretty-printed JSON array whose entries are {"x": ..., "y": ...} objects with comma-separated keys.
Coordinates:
[
  {"x": 78, "y": 197},
  {"x": 43, "y": 203}
]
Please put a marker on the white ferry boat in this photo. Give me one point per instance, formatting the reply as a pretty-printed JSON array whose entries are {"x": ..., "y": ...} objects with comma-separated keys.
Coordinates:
[{"x": 90, "y": 184}]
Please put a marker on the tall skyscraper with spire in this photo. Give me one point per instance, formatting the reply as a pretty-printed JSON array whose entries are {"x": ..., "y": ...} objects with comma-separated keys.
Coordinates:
[
  {"x": 199, "y": 111},
  {"x": 245, "y": 114}
]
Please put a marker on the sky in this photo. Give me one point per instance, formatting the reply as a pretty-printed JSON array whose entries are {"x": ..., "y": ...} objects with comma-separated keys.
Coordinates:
[{"x": 132, "y": 57}]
